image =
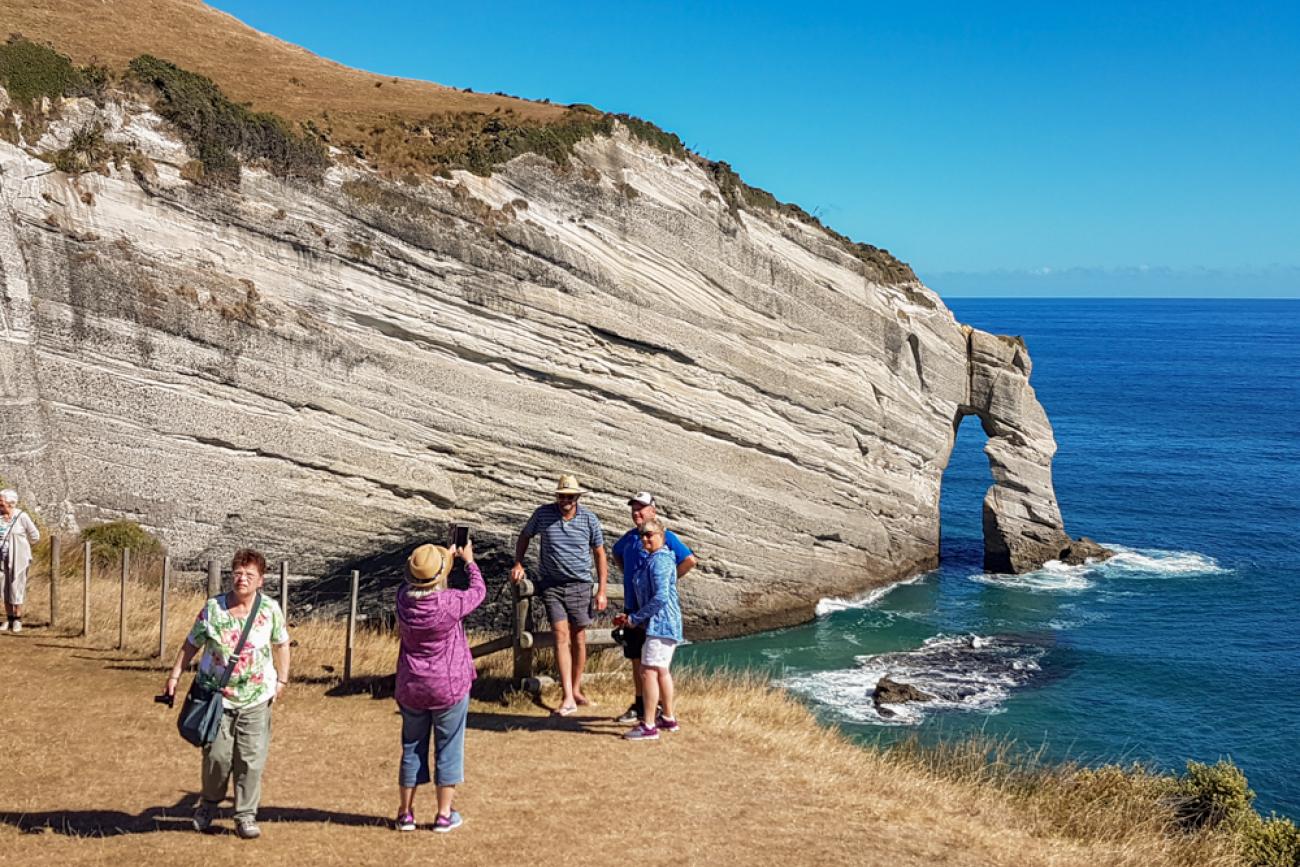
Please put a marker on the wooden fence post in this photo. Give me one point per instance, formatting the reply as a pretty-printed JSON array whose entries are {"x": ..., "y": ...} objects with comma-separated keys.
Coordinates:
[
  {"x": 121, "y": 608},
  {"x": 214, "y": 578},
  {"x": 352, "y": 627},
  {"x": 85, "y": 599},
  {"x": 54, "y": 579},
  {"x": 284, "y": 589},
  {"x": 162, "y": 614},
  {"x": 522, "y": 594}
]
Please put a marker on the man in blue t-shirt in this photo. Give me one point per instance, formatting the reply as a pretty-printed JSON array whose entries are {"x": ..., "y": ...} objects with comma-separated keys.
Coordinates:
[
  {"x": 572, "y": 541},
  {"x": 629, "y": 554}
]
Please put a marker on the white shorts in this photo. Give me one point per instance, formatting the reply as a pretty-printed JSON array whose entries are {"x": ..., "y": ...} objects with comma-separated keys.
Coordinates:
[{"x": 658, "y": 652}]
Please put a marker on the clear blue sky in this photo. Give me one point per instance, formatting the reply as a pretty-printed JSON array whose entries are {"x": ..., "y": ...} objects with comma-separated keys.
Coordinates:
[{"x": 1039, "y": 148}]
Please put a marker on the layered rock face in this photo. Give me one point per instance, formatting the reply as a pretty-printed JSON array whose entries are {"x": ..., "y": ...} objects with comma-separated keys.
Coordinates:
[{"x": 331, "y": 370}]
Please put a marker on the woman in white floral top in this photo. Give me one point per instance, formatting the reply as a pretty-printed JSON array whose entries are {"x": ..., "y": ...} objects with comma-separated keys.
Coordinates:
[{"x": 259, "y": 677}]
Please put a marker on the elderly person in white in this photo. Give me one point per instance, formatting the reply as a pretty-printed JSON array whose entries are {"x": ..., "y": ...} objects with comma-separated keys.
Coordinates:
[{"x": 18, "y": 534}]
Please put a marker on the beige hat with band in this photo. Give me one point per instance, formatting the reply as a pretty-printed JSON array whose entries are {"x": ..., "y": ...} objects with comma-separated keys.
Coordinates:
[
  {"x": 428, "y": 567},
  {"x": 568, "y": 485}
]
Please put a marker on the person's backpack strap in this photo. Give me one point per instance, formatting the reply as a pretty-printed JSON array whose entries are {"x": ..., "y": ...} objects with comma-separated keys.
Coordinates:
[
  {"x": 10, "y": 529},
  {"x": 234, "y": 657}
]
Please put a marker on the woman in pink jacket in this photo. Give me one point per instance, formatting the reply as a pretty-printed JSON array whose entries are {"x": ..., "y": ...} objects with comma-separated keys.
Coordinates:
[{"x": 434, "y": 673}]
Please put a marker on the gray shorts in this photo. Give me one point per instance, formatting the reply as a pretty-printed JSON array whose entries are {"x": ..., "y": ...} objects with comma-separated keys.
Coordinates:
[{"x": 571, "y": 602}]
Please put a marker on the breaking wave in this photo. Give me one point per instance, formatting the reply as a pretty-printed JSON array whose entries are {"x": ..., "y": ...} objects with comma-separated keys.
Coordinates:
[
  {"x": 1129, "y": 563},
  {"x": 831, "y": 604}
]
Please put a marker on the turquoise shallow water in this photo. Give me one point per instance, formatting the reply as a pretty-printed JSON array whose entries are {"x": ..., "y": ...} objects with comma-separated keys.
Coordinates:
[{"x": 1178, "y": 426}]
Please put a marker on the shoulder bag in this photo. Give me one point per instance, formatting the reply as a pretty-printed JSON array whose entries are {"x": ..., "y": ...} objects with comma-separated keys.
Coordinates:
[{"x": 200, "y": 717}]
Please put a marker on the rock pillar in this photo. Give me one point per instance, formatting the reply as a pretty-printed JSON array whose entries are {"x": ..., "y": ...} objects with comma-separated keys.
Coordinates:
[{"x": 1022, "y": 522}]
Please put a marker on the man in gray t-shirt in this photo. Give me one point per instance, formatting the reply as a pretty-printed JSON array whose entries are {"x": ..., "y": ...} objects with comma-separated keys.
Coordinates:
[{"x": 572, "y": 541}]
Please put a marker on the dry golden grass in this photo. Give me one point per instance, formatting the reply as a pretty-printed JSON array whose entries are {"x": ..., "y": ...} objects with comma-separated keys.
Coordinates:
[
  {"x": 248, "y": 65},
  {"x": 101, "y": 777}
]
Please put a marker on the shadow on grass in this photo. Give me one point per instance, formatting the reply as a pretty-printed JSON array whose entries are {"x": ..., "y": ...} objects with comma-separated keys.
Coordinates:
[
  {"x": 506, "y": 722},
  {"x": 114, "y": 823},
  {"x": 377, "y": 686}
]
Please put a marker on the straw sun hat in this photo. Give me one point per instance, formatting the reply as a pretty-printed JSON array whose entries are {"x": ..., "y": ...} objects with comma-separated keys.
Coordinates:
[
  {"x": 428, "y": 567},
  {"x": 568, "y": 485}
]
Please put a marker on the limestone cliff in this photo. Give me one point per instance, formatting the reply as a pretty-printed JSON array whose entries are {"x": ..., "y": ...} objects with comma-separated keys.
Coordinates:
[{"x": 331, "y": 368}]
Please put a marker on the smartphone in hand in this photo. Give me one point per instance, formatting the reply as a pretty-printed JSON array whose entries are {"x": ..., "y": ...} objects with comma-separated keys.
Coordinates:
[{"x": 460, "y": 535}]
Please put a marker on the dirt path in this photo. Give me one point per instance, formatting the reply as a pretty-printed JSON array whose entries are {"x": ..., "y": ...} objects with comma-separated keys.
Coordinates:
[{"x": 95, "y": 773}]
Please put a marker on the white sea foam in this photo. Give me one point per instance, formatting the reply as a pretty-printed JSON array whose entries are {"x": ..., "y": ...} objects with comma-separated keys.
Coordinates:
[
  {"x": 1055, "y": 576},
  {"x": 1155, "y": 562},
  {"x": 830, "y": 604},
  {"x": 965, "y": 672}
]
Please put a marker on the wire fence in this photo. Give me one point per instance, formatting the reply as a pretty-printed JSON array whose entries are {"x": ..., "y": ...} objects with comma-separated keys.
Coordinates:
[{"x": 147, "y": 602}]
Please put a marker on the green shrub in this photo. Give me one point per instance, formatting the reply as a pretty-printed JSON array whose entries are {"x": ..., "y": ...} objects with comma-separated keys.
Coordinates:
[
  {"x": 218, "y": 131},
  {"x": 645, "y": 131},
  {"x": 95, "y": 80},
  {"x": 1210, "y": 795},
  {"x": 109, "y": 540},
  {"x": 1271, "y": 842},
  {"x": 30, "y": 71},
  {"x": 85, "y": 152}
]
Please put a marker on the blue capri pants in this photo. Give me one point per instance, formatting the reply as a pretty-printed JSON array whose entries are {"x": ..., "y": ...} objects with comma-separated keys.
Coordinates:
[{"x": 446, "y": 728}]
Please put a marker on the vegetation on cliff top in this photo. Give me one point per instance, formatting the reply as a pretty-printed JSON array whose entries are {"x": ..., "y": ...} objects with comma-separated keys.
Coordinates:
[
  {"x": 220, "y": 132},
  {"x": 30, "y": 72}
]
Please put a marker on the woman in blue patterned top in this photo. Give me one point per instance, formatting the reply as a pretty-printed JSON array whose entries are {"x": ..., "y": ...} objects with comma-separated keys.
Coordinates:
[{"x": 658, "y": 610}]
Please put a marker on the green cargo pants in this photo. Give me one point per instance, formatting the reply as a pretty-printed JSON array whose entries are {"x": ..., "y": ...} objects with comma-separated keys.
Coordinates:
[{"x": 240, "y": 749}]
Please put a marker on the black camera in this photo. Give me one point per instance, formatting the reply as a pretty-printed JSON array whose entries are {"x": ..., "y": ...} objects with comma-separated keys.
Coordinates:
[{"x": 169, "y": 700}]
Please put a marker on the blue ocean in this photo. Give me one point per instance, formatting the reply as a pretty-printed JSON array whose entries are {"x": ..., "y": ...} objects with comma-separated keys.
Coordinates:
[{"x": 1178, "y": 432}]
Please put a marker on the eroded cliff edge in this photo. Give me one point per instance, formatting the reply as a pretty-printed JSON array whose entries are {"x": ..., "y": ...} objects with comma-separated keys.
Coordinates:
[{"x": 327, "y": 369}]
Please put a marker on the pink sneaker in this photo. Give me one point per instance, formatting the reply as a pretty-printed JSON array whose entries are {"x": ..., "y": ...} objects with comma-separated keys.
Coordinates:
[
  {"x": 641, "y": 733},
  {"x": 667, "y": 724}
]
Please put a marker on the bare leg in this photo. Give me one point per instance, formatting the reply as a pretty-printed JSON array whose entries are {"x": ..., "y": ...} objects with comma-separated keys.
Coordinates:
[
  {"x": 408, "y": 800},
  {"x": 564, "y": 661},
  {"x": 636, "y": 676},
  {"x": 579, "y": 662},
  {"x": 650, "y": 695},
  {"x": 445, "y": 795},
  {"x": 666, "y": 692}
]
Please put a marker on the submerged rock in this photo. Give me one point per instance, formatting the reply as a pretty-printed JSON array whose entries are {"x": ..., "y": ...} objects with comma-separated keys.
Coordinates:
[
  {"x": 1082, "y": 550},
  {"x": 889, "y": 691}
]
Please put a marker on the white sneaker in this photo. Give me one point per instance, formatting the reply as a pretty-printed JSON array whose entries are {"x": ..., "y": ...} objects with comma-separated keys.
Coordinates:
[
  {"x": 4, "y": 627},
  {"x": 641, "y": 733},
  {"x": 17, "y": 627}
]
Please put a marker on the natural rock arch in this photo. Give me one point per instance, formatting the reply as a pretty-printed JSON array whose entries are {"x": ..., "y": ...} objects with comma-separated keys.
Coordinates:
[{"x": 1022, "y": 521}]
